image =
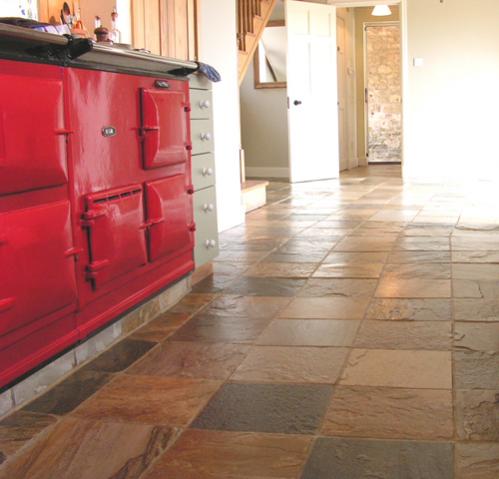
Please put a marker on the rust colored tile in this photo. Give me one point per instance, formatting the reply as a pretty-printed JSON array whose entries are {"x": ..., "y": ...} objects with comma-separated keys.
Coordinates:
[
  {"x": 477, "y": 461},
  {"x": 292, "y": 365},
  {"x": 162, "y": 327},
  {"x": 366, "y": 244},
  {"x": 19, "y": 428},
  {"x": 246, "y": 306},
  {"x": 343, "y": 288},
  {"x": 264, "y": 286},
  {"x": 326, "y": 308},
  {"x": 192, "y": 303},
  {"x": 90, "y": 450},
  {"x": 432, "y": 335},
  {"x": 149, "y": 400},
  {"x": 281, "y": 270},
  {"x": 390, "y": 413},
  {"x": 360, "y": 271},
  {"x": 392, "y": 368},
  {"x": 232, "y": 455},
  {"x": 309, "y": 332},
  {"x": 410, "y": 310},
  {"x": 195, "y": 360}
]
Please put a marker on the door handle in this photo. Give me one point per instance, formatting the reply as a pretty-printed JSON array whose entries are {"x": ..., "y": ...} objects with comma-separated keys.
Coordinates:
[{"x": 297, "y": 102}]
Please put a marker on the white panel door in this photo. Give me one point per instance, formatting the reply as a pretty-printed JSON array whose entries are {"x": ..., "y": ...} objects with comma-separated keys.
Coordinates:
[{"x": 312, "y": 91}]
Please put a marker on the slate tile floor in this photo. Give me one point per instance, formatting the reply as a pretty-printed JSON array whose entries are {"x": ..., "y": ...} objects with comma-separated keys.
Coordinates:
[{"x": 350, "y": 330}]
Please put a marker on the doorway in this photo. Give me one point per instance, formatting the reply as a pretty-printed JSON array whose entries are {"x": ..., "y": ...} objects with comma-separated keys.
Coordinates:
[{"x": 383, "y": 92}]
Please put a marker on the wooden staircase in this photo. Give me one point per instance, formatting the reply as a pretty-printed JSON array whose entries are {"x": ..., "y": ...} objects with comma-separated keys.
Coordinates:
[{"x": 253, "y": 16}]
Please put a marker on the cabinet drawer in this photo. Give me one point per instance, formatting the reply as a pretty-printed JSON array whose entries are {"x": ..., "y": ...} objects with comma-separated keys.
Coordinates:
[
  {"x": 205, "y": 216},
  {"x": 202, "y": 136},
  {"x": 203, "y": 171},
  {"x": 201, "y": 105}
]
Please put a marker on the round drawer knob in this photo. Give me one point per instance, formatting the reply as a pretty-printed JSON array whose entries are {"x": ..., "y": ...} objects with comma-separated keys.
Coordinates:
[
  {"x": 210, "y": 243},
  {"x": 205, "y": 136},
  {"x": 207, "y": 172},
  {"x": 204, "y": 104},
  {"x": 207, "y": 207}
]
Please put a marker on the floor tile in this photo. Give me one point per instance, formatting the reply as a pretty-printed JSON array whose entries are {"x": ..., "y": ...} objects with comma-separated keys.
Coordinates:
[
  {"x": 476, "y": 370},
  {"x": 339, "y": 288},
  {"x": 81, "y": 449},
  {"x": 334, "y": 458},
  {"x": 277, "y": 408},
  {"x": 484, "y": 272},
  {"x": 476, "y": 310},
  {"x": 413, "y": 288},
  {"x": 149, "y": 400},
  {"x": 309, "y": 332},
  {"x": 367, "y": 244},
  {"x": 410, "y": 310},
  {"x": 477, "y": 415},
  {"x": 403, "y": 257},
  {"x": 352, "y": 265},
  {"x": 477, "y": 461},
  {"x": 279, "y": 364},
  {"x": 477, "y": 337},
  {"x": 19, "y": 428},
  {"x": 161, "y": 327},
  {"x": 246, "y": 306},
  {"x": 220, "y": 454},
  {"x": 475, "y": 256},
  {"x": 120, "y": 356},
  {"x": 390, "y": 413},
  {"x": 195, "y": 360},
  {"x": 281, "y": 270},
  {"x": 69, "y": 394},
  {"x": 405, "y": 369},
  {"x": 406, "y": 271},
  {"x": 325, "y": 308},
  {"x": 220, "y": 329},
  {"x": 264, "y": 286},
  {"x": 192, "y": 303},
  {"x": 432, "y": 335},
  {"x": 421, "y": 243}
]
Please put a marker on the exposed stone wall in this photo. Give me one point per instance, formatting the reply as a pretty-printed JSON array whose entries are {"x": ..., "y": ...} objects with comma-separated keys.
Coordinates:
[{"x": 384, "y": 86}]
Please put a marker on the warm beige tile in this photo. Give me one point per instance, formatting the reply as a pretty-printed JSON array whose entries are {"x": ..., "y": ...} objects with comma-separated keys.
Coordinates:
[
  {"x": 410, "y": 310},
  {"x": 477, "y": 337},
  {"x": 476, "y": 310},
  {"x": 422, "y": 243},
  {"x": 356, "y": 288},
  {"x": 414, "y": 288},
  {"x": 395, "y": 272},
  {"x": 325, "y": 308},
  {"x": 475, "y": 256},
  {"x": 232, "y": 455},
  {"x": 309, "y": 332},
  {"x": 432, "y": 335},
  {"x": 367, "y": 270},
  {"x": 405, "y": 369},
  {"x": 149, "y": 400},
  {"x": 246, "y": 306},
  {"x": 370, "y": 243},
  {"x": 161, "y": 327},
  {"x": 477, "y": 461},
  {"x": 402, "y": 257},
  {"x": 291, "y": 364},
  {"x": 477, "y": 415},
  {"x": 484, "y": 272},
  {"x": 390, "y": 413}
]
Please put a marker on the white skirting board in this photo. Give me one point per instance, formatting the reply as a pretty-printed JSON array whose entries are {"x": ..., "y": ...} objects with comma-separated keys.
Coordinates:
[{"x": 264, "y": 172}]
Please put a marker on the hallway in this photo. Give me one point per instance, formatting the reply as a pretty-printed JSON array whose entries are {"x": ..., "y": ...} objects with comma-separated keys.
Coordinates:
[{"x": 350, "y": 330}]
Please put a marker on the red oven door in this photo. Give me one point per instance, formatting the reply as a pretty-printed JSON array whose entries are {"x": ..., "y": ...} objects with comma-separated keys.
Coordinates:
[
  {"x": 164, "y": 128},
  {"x": 37, "y": 274},
  {"x": 169, "y": 215},
  {"x": 115, "y": 221},
  {"x": 32, "y": 129}
]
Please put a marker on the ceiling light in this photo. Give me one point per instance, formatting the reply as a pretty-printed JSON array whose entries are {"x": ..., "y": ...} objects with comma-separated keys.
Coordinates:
[{"x": 381, "y": 11}]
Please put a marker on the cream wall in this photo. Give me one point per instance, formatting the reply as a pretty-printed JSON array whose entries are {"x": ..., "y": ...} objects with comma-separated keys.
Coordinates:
[
  {"x": 264, "y": 128},
  {"x": 451, "y": 103},
  {"x": 363, "y": 15},
  {"x": 217, "y": 47}
]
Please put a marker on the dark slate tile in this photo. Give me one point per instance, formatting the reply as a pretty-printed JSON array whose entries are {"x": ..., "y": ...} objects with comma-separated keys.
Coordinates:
[
  {"x": 476, "y": 370},
  {"x": 249, "y": 286},
  {"x": 275, "y": 408},
  {"x": 120, "y": 356},
  {"x": 69, "y": 394},
  {"x": 215, "y": 328},
  {"x": 334, "y": 458}
]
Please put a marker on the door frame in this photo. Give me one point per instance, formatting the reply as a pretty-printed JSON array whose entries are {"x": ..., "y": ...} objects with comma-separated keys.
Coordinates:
[{"x": 366, "y": 25}]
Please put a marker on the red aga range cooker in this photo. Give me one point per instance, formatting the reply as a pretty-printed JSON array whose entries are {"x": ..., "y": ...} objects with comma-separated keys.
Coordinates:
[{"x": 95, "y": 189}]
